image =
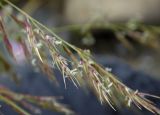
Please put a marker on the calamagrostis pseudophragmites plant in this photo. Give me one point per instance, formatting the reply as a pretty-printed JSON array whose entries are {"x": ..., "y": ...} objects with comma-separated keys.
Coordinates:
[{"x": 47, "y": 51}]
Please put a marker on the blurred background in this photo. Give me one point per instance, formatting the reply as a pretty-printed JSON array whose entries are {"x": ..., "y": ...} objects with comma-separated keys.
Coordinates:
[
  {"x": 123, "y": 28},
  {"x": 122, "y": 34}
]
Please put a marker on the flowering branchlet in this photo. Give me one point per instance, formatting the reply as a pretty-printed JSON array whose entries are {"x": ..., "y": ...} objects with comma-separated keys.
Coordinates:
[{"x": 31, "y": 103}]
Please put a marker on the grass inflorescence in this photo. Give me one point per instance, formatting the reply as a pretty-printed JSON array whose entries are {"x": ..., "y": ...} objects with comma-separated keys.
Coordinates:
[{"x": 78, "y": 67}]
